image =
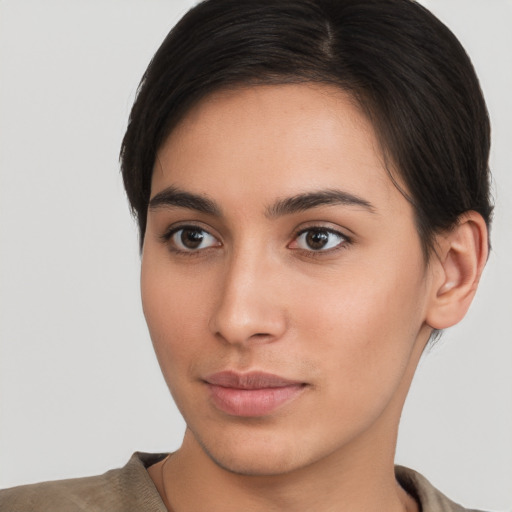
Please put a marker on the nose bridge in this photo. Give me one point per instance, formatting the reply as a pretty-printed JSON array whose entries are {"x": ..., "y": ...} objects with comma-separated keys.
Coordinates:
[{"x": 247, "y": 307}]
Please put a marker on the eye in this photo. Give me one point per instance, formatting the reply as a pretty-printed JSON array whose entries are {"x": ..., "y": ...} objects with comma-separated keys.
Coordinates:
[
  {"x": 191, "y": 239},
  {"x": 318, "y": 239}
]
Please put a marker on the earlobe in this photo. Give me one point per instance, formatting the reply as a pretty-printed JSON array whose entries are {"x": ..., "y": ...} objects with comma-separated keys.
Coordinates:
[{"x": 459, "y": 263}]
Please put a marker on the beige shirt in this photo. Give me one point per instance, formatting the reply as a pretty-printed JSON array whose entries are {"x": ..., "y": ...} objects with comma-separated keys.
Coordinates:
[{"x": 130, "y": 489}]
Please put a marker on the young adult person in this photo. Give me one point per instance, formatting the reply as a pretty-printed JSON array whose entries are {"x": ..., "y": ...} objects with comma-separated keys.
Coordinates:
[{"x": 310, "y": 179}]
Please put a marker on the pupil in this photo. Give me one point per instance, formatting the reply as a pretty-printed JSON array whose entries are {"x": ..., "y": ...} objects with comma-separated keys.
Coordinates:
[
  {"x": 191, "y": 238},
  {"x": 317, "y": 239}
]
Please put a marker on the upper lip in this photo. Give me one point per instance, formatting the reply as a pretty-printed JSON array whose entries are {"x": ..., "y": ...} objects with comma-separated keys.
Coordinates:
[{"x": 250, "y": 380}]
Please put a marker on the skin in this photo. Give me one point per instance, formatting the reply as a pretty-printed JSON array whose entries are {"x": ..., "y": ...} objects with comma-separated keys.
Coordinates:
[{"x": 349, "y": 322}]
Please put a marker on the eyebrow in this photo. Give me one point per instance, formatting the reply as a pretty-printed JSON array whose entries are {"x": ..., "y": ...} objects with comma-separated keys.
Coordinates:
[
  {"x": 172, "y": 197},
  {"x": 309, "y": 200}
]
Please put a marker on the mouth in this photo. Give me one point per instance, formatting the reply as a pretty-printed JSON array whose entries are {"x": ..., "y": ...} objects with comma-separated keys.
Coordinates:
[{"x": 252, "y": 394}]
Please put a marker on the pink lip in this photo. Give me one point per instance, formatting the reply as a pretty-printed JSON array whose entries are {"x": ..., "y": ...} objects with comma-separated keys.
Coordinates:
[{"x": 251, "y": 394}]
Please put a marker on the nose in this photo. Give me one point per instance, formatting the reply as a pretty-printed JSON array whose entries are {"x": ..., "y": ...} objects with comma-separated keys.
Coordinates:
[{"x": 249, "y": 306}]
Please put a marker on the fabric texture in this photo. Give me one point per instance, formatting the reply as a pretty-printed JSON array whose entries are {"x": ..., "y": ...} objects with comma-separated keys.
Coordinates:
[{"x": 130, "y": 489}]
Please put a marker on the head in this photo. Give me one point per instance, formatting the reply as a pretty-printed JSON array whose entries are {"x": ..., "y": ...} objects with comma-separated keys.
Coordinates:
[
  {"x": 266, "y": 138},
  {"x": 404, "y": 69}
]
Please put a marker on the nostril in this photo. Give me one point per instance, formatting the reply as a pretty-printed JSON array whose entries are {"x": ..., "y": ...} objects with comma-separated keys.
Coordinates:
[
  {"x": 243, "y": 314},
  {"x": 261, "y": 336}
]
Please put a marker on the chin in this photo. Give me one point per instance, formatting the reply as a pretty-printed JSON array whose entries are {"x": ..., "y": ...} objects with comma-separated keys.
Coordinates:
[
  {"x": 263, "y": 465},
  {"x": 255, "y": 458}
]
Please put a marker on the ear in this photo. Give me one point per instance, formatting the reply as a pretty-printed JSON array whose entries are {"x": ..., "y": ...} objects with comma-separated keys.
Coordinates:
[{"x": 457, "y": 266}]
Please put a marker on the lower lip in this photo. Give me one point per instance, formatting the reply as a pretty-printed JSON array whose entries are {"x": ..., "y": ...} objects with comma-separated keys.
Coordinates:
[{"x": 252, "y": 402}]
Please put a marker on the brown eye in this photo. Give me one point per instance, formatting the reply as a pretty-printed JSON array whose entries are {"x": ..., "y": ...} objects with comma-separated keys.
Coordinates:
[
  {"x": 193, "y": 239},
  {"x": 319, "y": 239}
]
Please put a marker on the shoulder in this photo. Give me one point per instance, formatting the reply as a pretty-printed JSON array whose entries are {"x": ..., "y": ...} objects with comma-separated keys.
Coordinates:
[
  {"x": 430, "y": 499},
  {"x": 118, "y": 490}
]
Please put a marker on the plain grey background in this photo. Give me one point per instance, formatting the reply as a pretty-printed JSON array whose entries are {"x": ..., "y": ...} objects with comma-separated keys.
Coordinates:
[{"x": 80, "y": 387}]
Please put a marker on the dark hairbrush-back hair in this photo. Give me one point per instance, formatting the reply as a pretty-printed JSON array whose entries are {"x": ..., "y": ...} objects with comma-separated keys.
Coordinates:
[{"x": 406, "y": 70}]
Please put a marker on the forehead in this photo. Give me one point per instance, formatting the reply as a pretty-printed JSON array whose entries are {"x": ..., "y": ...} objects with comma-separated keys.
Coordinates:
[{"x": 274, "y": 139}]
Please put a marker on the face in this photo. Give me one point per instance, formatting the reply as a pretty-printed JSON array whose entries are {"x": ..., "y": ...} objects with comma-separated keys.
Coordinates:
[{"x": 283, "y": 280}]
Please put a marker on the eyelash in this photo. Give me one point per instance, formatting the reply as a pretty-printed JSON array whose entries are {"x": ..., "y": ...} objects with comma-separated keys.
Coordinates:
[
  {"x": 343, "y": 244},
  {"x": 171, "y": 232}
]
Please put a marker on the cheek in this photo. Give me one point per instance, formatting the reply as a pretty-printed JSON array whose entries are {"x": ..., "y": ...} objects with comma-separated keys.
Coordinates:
[
  {"x": 176, "y": 309},
  {"x": 363, "y": 327},
  {"x": 357, "y": 303}
]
